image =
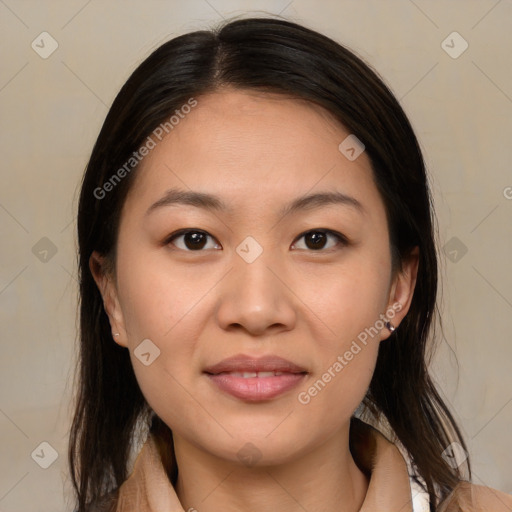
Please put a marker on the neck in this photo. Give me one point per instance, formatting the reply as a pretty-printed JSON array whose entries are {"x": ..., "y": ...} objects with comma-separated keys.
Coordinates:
[{"x": 323, "y": 480}]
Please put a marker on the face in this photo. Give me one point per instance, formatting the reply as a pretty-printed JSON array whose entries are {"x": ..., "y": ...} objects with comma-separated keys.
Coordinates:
[{"x": 292, "y": 297}]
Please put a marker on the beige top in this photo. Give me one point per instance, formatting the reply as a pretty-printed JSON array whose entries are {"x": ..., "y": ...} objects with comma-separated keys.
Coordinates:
[{"x": 148, "y": 488}]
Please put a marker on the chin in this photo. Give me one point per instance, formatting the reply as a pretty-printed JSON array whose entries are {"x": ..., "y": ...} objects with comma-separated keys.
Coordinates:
[{"x": 258, "y": 448}]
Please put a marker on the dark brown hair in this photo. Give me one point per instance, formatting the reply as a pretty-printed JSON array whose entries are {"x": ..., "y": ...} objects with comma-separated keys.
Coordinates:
[{"x": 272, "y": 55}]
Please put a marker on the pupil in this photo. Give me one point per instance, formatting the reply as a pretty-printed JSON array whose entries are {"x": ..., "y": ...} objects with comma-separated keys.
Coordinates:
[
  {"x": 196, "y": 240},
  {"x": 317, "y": 238}
]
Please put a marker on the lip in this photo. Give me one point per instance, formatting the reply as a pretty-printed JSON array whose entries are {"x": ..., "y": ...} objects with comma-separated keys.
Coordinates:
[
  {"x": 226, "y": 375},
  {"x": 244, "y": 363}
]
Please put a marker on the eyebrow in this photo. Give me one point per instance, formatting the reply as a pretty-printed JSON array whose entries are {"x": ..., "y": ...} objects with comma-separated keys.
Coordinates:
[{"x": 214, "y": 203}]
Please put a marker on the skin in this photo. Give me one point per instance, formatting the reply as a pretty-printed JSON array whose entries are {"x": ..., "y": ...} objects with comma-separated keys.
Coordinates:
[{"x": 257, "y": 152}]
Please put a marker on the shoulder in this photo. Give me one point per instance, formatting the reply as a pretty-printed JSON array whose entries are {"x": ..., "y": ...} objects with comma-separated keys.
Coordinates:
[{"x": 476, "y": 498}]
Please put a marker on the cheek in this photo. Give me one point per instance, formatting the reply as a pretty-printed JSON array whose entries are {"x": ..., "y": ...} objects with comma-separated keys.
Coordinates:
[
  {"x": 169, "y": 308},
  {"x": 156, "y": 300},
  {"x": 350, "y": 306},
  {"x": 350, "y": 299},
  {"x": 171, "y": 395},
  {"x": 339, "y": 385}
]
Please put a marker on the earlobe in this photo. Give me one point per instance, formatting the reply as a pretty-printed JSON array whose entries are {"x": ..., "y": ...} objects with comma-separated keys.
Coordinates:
[{"x": 107, "y": 288}]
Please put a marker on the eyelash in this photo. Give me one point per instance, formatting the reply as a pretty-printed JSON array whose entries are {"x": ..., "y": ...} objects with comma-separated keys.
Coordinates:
[{"x": 342, "y": 240}]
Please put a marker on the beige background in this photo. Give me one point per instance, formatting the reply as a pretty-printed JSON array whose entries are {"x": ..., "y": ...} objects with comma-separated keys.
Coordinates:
[{"x": 52, "y": 110}]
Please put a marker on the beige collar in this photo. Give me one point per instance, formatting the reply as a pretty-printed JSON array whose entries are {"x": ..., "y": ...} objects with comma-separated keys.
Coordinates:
[{"x": 148, "y": 488}]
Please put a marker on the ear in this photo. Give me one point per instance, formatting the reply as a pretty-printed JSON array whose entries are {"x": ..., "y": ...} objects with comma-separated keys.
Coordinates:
[
  {"x": 107, "y": 287},
  {"x": 402, "y": 291}
]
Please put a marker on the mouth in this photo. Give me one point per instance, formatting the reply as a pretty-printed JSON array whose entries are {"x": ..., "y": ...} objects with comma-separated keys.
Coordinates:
[
  {"x": 255, "y": 379},
  {"x": 250, "y": 375}
]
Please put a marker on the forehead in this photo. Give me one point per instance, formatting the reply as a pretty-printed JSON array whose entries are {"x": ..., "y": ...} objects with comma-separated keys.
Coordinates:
[{"x": 252, "y": 148}]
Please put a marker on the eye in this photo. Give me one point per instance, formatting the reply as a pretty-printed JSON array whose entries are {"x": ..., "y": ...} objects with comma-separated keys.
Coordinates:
[
  {"x": 316, "y": 239},
  {"x": 192, "y": 240},
  {"x": 196, "y": 240}
]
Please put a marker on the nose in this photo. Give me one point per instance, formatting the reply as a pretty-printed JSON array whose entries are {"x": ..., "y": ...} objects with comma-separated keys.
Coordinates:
[{"x": 256, "y": 297}]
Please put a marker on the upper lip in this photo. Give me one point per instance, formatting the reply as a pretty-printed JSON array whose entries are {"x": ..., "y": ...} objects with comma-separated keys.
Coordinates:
[{"x": 245, "y": 363}]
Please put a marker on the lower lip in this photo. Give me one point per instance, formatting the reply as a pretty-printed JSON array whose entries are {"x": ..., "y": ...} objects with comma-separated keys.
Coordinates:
[{"x": 256, "y": 388}]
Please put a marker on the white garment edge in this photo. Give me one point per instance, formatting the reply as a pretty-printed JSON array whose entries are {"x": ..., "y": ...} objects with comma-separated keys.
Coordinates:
[{"x": 420, "y": 498}]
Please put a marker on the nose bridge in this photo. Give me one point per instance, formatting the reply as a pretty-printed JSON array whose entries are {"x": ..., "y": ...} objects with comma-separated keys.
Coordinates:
[
  {"x": 254, "y": 279},
  {"x": 253, "y": 296}
]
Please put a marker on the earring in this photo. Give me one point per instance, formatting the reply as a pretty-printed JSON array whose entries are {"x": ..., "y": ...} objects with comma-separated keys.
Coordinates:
[
  {"x": 390, "y": 326},
  {"x": 116, "y": 334}
]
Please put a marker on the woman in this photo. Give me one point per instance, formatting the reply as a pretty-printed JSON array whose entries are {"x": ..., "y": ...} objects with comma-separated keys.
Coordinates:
[{"x": 258, "y": 279}]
